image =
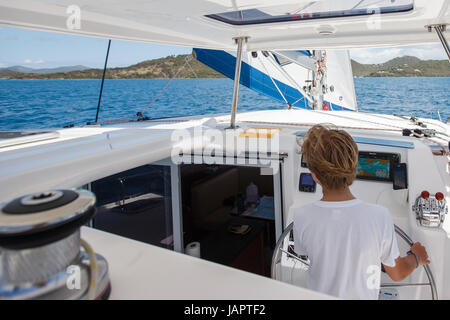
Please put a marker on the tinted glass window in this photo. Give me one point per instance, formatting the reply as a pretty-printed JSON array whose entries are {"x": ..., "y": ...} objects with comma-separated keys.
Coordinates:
[{"x": 136, "y": 204}]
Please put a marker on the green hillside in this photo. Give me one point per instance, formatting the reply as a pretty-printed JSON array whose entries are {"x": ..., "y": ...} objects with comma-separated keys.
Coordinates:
[
  {"x": 403, "y": 67},
  {"x": 167, "y": 67},
  {"x": 149, "y": 69}
]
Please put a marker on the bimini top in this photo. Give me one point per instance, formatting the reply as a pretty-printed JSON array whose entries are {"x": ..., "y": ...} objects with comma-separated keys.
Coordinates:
[{"x": 212, "y": 24}]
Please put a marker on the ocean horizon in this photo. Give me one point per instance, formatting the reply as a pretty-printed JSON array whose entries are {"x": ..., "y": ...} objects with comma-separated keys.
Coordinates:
[{"x": 41, "y": 104}]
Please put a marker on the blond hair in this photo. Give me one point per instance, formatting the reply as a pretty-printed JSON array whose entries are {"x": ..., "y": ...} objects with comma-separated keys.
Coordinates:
[{"x": 332, "y": 155}]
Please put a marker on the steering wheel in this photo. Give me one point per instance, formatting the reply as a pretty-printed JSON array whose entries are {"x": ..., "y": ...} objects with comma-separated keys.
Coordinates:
[{"x": 278, "y": 251}]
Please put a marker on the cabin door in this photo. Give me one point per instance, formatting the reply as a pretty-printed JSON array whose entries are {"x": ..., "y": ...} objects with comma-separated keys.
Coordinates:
[{"x": 228, "y": 213}]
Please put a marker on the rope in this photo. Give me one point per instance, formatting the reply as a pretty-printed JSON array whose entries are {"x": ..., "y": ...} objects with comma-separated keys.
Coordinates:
[
  {"x": 127, "y": 119},
  {"x": 167, "y": 84},
  {"x": 273, "y": 81},
  {"x": 91, "y": 294},
  {"x": 103, "y": 81},
  {"x": 298, "y": 101},
  {"x": 198, "y": 80}
]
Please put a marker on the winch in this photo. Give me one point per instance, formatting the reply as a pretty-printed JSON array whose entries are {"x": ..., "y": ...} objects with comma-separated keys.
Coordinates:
[{"x": 40, "y": 248}]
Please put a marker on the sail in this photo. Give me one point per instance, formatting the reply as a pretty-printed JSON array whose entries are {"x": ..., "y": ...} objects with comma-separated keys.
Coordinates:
[
  {"x": 286, "y": 75},
  {"x": 340, "y": 75}
]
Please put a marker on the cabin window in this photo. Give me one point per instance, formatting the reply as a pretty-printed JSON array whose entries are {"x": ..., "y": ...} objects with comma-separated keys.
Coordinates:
[
  {"x": 311, "y": 11},
  {"x": 136, "y": 204}
]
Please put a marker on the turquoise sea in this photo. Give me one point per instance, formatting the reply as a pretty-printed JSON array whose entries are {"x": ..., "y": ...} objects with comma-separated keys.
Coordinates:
[{"x": 37, "y": 104}]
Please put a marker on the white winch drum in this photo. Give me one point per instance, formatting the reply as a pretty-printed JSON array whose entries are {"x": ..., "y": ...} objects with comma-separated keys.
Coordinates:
[{"x": 39, "y": 243}]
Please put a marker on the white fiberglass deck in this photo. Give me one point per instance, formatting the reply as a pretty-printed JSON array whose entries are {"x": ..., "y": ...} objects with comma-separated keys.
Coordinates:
[{"x": 142, "y": 271}]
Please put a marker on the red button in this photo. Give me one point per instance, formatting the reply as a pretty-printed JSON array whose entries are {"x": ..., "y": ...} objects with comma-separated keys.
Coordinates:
[
  {"x": 439, "y": 196},
  {"x": 425, "y": 194}
]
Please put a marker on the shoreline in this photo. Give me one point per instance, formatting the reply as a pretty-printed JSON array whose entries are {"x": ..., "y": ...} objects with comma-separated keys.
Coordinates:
[{"x": 50, "y": 79}]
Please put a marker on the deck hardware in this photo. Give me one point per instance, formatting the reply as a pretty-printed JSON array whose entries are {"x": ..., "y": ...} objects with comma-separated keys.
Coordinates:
[
  {"x": 430, "y": 209},
  {"x": 140, "y": 117},
  {"x": 41, "y": 256},
  {"x": 417, "y": 122},
  {"x": 406, "y": 132},
  {"x": 427, "y": 132},
  {"x": 419, "y": 133}
]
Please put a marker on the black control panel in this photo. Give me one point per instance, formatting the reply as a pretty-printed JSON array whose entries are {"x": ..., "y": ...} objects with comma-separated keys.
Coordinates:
[
  {"x": 303, "y": 162},
  {"x": 400, "y": 176},
  {"x": 306, "y": 183}
]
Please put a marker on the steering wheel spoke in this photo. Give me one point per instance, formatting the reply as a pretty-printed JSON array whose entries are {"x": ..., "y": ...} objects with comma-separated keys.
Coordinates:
[{"x": 392, "y": 285}]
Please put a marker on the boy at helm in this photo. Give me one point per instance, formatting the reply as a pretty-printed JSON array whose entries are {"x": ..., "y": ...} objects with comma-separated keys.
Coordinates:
[{"x": 346, "y": 240}]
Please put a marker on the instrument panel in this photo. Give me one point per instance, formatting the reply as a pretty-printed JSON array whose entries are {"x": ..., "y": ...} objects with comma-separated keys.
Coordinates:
[{"x": 374, "y": 166}]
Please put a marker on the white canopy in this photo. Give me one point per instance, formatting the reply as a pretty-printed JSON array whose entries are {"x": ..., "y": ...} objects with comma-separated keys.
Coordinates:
[{"x": 284, "y": 24}]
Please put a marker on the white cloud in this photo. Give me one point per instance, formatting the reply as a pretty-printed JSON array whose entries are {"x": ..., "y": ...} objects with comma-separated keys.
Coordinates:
[
  {"x": 380, "y": 55},
  {"x": 38, "y": 61}
]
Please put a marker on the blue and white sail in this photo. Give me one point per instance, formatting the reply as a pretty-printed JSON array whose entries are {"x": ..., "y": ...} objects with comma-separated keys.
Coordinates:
[{"x": 287, "y": 76}]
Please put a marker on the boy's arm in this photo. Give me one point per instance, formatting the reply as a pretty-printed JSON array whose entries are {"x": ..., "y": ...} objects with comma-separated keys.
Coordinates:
[{"x": 404, "y": 266}]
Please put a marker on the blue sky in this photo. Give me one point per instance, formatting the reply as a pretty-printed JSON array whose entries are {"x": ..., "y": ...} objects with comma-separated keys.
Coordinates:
[{"x": 36, "y": 49}]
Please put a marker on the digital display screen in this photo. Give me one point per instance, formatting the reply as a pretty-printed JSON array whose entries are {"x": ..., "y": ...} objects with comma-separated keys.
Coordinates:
[
  {"x": 375, "y": 168},
  {"x": 400, "y": 177},
  {"x": 306, "y": 179}
]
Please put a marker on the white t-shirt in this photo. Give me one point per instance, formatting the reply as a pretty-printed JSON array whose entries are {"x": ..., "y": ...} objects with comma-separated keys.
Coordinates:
[{"x": 346, "y": 242}]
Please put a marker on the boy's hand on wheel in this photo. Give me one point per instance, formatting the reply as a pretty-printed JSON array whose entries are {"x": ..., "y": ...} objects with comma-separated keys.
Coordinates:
[{"x": 421, "y": 253}]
